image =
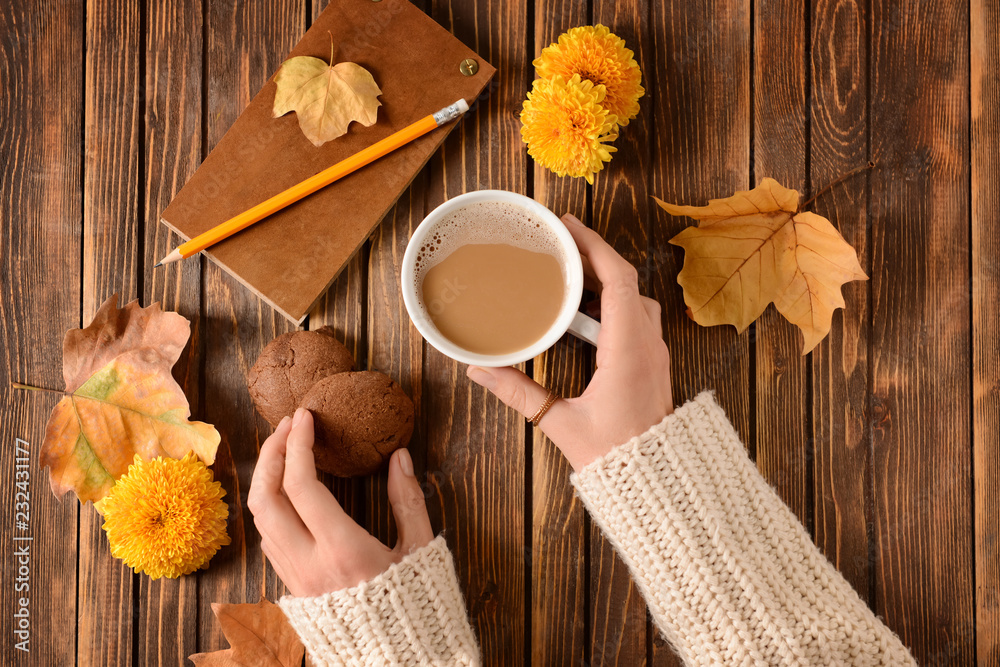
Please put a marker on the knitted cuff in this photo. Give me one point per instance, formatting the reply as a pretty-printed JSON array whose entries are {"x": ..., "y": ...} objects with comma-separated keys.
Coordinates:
[
  {"x": 411, "y": 614},
  {"x": 728, "y": 572}
]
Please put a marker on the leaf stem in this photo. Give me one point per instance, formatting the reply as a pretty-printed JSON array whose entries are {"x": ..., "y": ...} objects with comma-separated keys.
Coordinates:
[
  {"x": 835, "y": 183},
  {"x": 19, "y": 385},
  {"x": 333, "y": 49}
]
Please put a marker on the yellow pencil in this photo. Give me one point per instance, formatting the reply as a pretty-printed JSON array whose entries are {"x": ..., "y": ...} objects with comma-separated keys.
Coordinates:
[{"x": 314, "y": 183}]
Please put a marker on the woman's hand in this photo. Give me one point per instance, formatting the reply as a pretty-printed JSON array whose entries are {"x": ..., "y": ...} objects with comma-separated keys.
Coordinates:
[
  {"x": 630, "y": 390},
  {"x": 313, "y": 545}
]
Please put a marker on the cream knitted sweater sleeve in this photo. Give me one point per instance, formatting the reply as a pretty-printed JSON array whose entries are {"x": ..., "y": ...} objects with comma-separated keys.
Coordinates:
[
  {"x": 411, "y": 614},
  {"x": 730, "y": 575},
  {"x": 728, "y": 572}
]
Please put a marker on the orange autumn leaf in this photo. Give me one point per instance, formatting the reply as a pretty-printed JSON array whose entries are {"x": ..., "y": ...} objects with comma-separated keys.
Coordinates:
[
  {"x": 757, "y": 247},
  {"x": 121, "y": 400},
  {"x": 259, "y": 636}
]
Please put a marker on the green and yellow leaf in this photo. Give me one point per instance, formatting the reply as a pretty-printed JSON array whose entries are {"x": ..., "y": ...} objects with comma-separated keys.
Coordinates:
[{"x": 121, "y": 401}]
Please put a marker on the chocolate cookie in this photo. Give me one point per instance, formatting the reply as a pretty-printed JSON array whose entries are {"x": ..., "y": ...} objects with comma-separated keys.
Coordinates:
[
  {"x": 361, "y": 419},
  {"x": 290, "y": 365}
]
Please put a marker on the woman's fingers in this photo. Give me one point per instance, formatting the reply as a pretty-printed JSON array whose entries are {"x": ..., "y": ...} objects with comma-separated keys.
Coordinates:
[
  {"x": 272, "y": 513},
  {"x": 590, "y": 281},
  {"x": 653, "y": 311},
  {"x": 275, "y": 557},
  {"x": 619, "y": 280},
  {"x": 516, "y": 390},
  {"x": 319, "y": 510},
  {"x": 408, "y": 507},
  {"x": 270, "y": 468}
]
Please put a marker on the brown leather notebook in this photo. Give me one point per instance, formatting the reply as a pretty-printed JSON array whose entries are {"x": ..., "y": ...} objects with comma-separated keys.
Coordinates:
[{"x": 292, "y": 257}]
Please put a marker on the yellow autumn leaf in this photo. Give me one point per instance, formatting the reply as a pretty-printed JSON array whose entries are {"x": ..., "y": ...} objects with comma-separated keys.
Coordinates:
[
  {"x": 325, "y": 97},
  {"x": 756, "y": 248},
  {"x": 121, "y": 400}
]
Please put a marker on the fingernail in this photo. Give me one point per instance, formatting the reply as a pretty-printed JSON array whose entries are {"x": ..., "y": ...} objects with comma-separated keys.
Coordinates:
[
  {"x": 572, "y": 218},
  {"x": 284, "y": 420},
  {"x": 481, "y": 376},
  {"x": 405, "y": 462},
  {"x": 299, "y": 414}
]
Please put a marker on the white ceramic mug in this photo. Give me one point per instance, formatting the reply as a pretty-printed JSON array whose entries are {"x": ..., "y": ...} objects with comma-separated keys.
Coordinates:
[{"x": 569, "y": 319}]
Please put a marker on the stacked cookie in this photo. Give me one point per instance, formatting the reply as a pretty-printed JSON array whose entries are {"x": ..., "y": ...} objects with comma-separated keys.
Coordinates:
[{"x": 361, "y": 417}]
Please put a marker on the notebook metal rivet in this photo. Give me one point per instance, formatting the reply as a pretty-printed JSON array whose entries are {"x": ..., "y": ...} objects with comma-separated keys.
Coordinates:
[{"x": 468, "y": 67}]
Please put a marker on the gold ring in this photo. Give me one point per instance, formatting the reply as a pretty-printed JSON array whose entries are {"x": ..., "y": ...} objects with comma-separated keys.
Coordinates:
[{"x": 549, "y": 400}]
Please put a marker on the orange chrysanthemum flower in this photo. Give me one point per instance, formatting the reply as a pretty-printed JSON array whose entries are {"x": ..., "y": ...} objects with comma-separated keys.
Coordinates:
[
  {"x": 566, "y": 128},
  {"x": 598, "y": 56},
  {"x": 165, "y": 517}
]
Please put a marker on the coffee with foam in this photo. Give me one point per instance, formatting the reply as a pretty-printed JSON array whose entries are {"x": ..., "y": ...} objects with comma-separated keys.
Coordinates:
[{"x": 491, "y": 277}]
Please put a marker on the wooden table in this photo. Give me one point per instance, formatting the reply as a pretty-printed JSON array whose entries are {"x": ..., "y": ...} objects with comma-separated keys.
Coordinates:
[{"x": 884, "y": 440}]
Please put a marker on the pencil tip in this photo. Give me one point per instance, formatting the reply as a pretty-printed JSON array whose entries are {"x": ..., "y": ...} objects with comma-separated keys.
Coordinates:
[{"x": 158, "y": 265}]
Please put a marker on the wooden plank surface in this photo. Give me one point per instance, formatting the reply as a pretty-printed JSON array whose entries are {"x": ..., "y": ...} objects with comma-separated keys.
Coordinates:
[
  {"x": 395, "y": 347},
  {"x": 111, "y": 202},
  {"x": 701, "y": 114},
  {"x": 701, "y": 111},
  {"x": 780, "y": 147},
  {"x": 700, "y": 106},
  {"x": 246, "y": 42},
  {"x": 842, "y": 492},
  {"x": 167, "y": 620},
  {"x": 345, "y": 308},
  {"x": 621, "y": 215},
  {"x": 985, "y": 165},
  {"x": 559, "y": 549},
  {"x": 920, "y": 398},
  {"x": 475, "y": 445},
  {"x": 884, "y": 440},
  {"x": 41, "y": 191}
]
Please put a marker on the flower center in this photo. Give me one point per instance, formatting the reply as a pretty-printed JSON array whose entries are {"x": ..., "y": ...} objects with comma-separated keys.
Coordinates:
[
  {"x": 164, "y": 516},
  {"x": 591, "y": 77}
]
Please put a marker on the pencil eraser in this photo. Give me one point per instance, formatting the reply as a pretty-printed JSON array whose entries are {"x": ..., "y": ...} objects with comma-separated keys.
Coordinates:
[{"x": 462, "y": 105}]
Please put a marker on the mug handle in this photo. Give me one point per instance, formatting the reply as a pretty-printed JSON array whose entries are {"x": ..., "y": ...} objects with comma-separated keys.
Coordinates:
[{"x": 585, "y": 328}]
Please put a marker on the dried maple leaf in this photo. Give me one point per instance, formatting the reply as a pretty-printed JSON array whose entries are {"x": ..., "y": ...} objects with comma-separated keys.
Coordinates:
[
  {"x": 259, "y": 636},
  {"x": 121, "y": 400},
  {"x": 325, "y": 97},
  {"x": 757, "y": 247}
]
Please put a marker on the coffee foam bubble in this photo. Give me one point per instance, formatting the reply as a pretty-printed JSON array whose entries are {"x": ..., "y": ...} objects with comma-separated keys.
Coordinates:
[{"x": 485, "y": 222}]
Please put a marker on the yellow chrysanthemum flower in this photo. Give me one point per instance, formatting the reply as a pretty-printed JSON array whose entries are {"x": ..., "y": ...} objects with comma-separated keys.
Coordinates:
[
  {"x": 165, "y": 517},
  {"x": 598, "y": 56},
  {"x": 566, "y": 128}
]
